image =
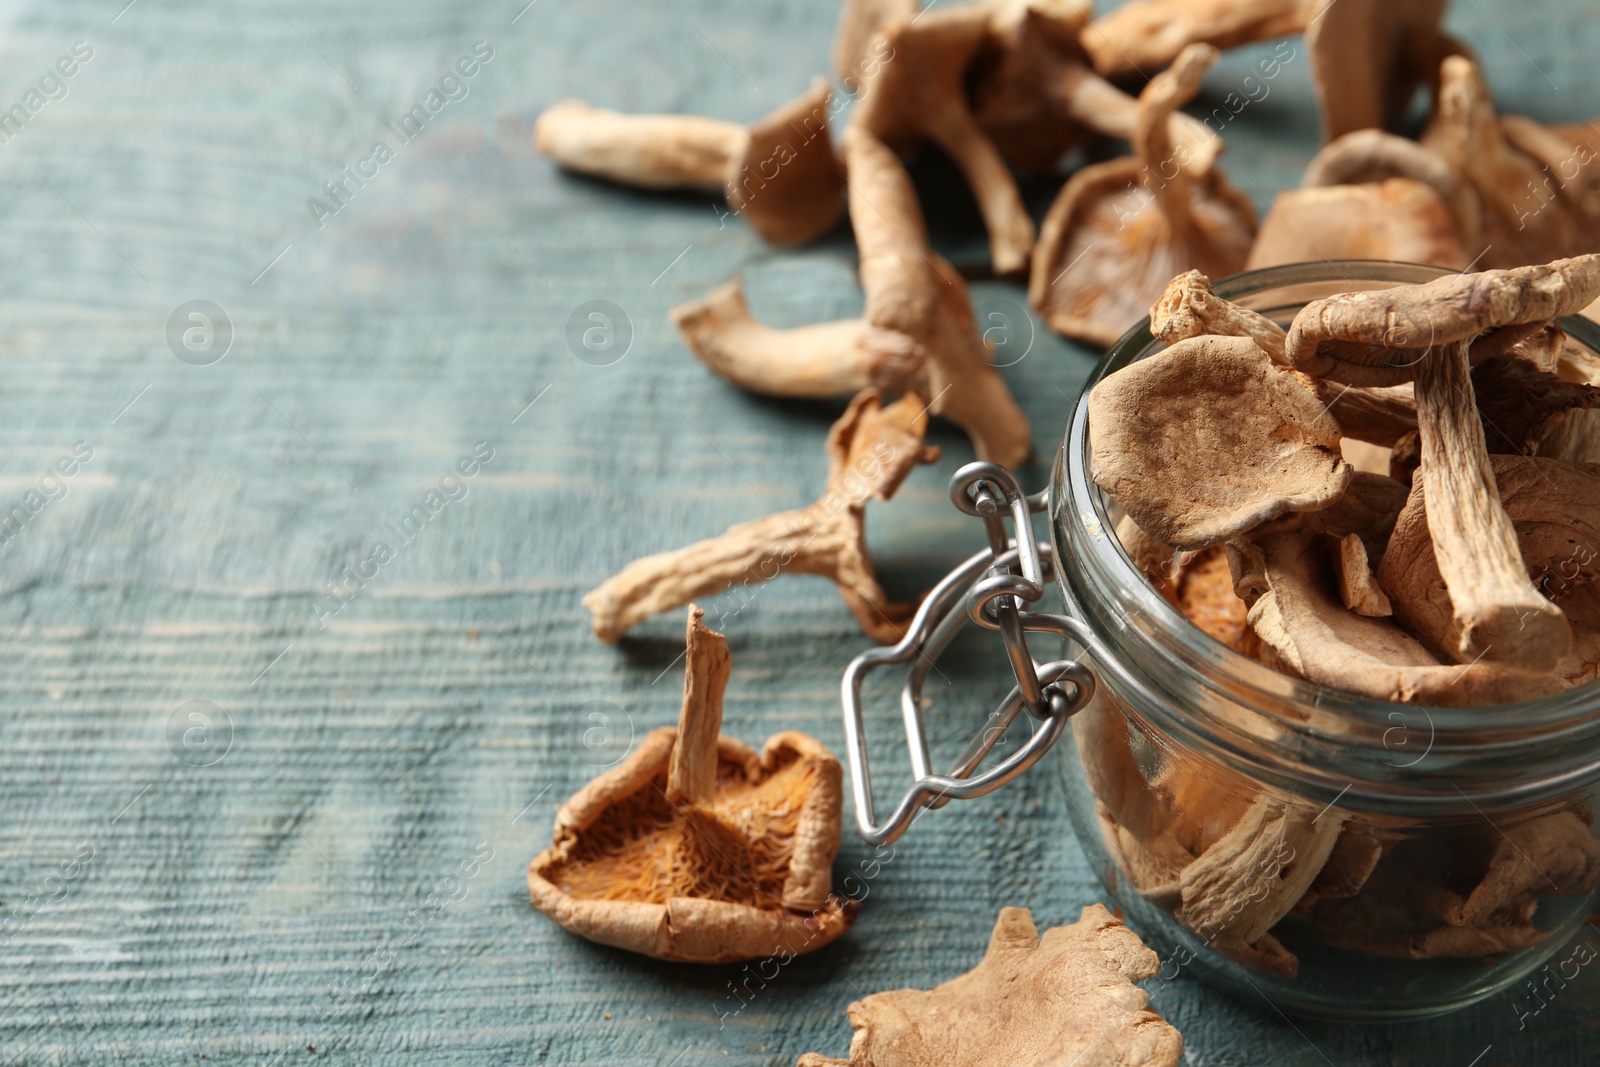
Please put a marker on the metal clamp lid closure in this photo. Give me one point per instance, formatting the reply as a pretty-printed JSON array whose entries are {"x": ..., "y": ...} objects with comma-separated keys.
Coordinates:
[{"x": 993, "y": 589}]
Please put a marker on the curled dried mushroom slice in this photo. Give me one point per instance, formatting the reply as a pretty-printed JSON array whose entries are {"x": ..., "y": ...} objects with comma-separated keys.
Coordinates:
[
  {"x": 871, "y": 450},
  {"x": 1208, "y": 440},
  {"x": 1288, "y": 581},
  {"x": 697, "y": 847},
  {"x": 781, "y": 174},
  {"x": 1066, "y": 997},
  {"x": 1369, "y": 156},
  {"x": 1120, "y": 230}
]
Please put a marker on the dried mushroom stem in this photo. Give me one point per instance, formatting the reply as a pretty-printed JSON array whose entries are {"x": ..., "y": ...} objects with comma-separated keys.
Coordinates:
[
  {"x": 825, "y": 360},
  {"x": 920, "y": 94},
  {"x": 913, "y": 293},
  {"x": 781, "y": 174},
  {"x": 1369, "y": 56},
  {"x": 872, "y": 448},
  {"x": 1502, "y": 618},
  {"x": 1146, "y": 35},
  {"x": 692, "y": 772},
  {"x": 1358, "y": 586}
]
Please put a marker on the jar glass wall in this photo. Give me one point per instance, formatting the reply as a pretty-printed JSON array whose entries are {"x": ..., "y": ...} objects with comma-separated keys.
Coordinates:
[{"x": 1340, "y": 856}]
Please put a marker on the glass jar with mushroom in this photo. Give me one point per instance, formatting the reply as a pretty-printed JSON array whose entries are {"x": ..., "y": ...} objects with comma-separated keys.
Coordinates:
[{"x": 1344, "y": 753}]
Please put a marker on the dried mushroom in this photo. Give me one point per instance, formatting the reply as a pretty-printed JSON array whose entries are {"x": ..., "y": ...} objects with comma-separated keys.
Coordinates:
[
  {"x": 1368, "y": 57},
  {"x": 1525, "y": 408},
  {"x": 1208, "y": 440},
  {"x": 1554, "y": 509},
  {"x": 1036, "y": 96},
  {"x": 781, "y": 174},
  {"x": 1372, "y": 156},
  {"x": 860, "y": 23},
  {"x": 1398, "y": 219},
  {"x": 919, "y": 95},
  {"x": 1425, "y": 333},
  {"x": 1068, "y": 997},
  {"x": 917, "y": 331},
  {"x": 1120, "y": 230},
  {"x": 825, "y": 360},
  {"x": 1525, "y": 221},
  {"x": 1358, "y": 586},
  {"x": 871, "y": 450},
  {"x": 696, "y": 847},
  {"x": 1145, "y": 35},
  {"x": 1288, "y": 581},
  {"x": 1555, "y": 855}
]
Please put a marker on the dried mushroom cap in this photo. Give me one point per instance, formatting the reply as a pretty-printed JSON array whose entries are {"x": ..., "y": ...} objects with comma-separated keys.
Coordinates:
[
  {"x": 1208, "y": 440},
  {"x": 696, "y": 847},
  {"x": 1067, "y": 997},
  {"x": 1366, "y": 156},
  {"x": 912, "y": 292},
  {"x": 1120, "y": 230},
  {"x": 1368, "y": 509},
  {"x": 871, "y": 450},
  {"x": 1524, "y": 221},
  {"x": 1382, "y": 336},
  {"x": 1036, "y": 96},
  {"x": 781, "y": 174},
  {"x": 1294, "y": 607},
  {"x": 1146, "y": 35},
  {"x": 1554, "y": 508},
  {"x": 825, "y": 360},
  {"x": 920, "y": 95},
  {"x": 1396, "y": 219},
  {"x": 1368, "y": 57}
]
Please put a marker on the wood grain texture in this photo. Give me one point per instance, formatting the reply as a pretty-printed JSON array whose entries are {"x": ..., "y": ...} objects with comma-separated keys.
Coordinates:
[{"x": 348, "y": 875}]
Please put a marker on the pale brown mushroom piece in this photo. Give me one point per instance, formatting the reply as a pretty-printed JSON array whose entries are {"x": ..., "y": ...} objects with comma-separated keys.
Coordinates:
[
  {"x": 1208, "y": 440},
  {"x": 1358, "y": 585},
  {"x": 1189, "y": 307},
  {"x": 871, "y": 450},
  {"x": 919, "y": 95},
  {"x": 1371, "y": 156},
  {"x": 1395, "y": 219},
  {"x": 1394, "y": 914},
  {"x": 1368, "y": 57},
  {"x": 696, "y": 847},
  {"x": 1143, "y": 36},
  {"x": 917, "y": 331},
  {"x": 1554, "y": 509},
  {"x": 860, "y": 27},
  {"x": 1553, "y": 855},
  {"x": 1425, "y": 332},
  {"x": 1036, "y": 95},
  {"x": 1525, "y": 222},
  {"x": 1066, "y": 997},
  {"x": 1120, "y": 230},
  {"x": 1288, "y": 581},
  {"x": 781, "y": 175},
  {"x": 1524, "y": 408}
]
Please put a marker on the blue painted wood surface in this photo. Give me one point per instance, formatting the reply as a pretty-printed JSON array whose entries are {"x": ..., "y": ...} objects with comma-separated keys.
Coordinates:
[{"x": 336, "y": 861}]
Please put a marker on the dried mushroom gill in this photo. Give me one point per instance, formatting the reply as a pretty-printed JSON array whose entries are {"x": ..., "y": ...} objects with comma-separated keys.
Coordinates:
[
  {"x": 871, "y": 450},
  {"x": 697, "y": 847},
  {"x": 1067, "y": 997}
]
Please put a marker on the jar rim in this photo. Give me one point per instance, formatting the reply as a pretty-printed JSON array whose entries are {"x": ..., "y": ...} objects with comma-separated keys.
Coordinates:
[{"x": 1081, "y": 530}]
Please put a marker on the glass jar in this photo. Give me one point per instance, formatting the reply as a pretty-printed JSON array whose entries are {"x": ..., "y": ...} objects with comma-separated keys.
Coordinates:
[{"x": 1337, "y": 856}]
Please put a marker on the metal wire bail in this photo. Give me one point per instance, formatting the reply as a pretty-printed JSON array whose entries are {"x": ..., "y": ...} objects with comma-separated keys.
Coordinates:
[{"x": 994, "y": 589}]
